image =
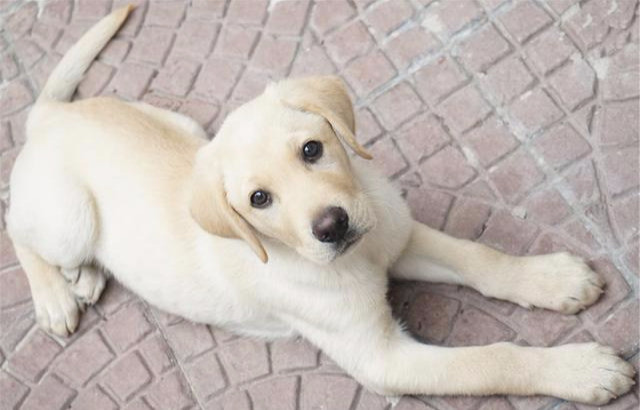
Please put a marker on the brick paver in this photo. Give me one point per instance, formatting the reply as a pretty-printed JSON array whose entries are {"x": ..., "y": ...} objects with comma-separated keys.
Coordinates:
[{"x": 510, "y": 122}]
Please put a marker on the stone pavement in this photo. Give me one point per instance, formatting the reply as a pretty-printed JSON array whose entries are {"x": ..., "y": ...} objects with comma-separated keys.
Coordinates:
[{"x": 510, "y": 122}]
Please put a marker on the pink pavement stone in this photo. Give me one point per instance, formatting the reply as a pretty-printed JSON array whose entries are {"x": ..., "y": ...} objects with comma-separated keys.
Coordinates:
[
  {"x": 91, "y": 9},
  {"x": 616, "y": 289},
  {"x": 311, "y": 61},
  {"x": 251, "y": 84},
  {"x": 176, "y": 78},
  {"x": 621, "y": 166},
  {"x": 327, "y": 391},
  {"x": 231, "y": 401},
  {"x": 368, "y": 72},
  {"x": 574, "y": 83},
  {"x": 541, "y": 327},
  {"x": 127, "y": 376},
  {"x": 250, "y": 12},
  {"x": 583, "y": 182},
  {"x": 57, "y": 11},
  {"x": 83, "y": 359},
  {"x": 474, "y": 327},
  {"x": 28, "y": 52},
  {"x": 348, "y": 42},
  {"x": 188, "y": 340},
  {"x": 50, "y": 393},
  {"x": 386, "y": 154},
  {"x": 421, "y": 137},
  {"x": 157, "y": 354},
  {"x": 516, "y": 175},
  {"x": 236, "y": 42},
  {"x": 95, "y": 80},
  {"x": 464, "y": 109},
  {"x": 491, "y": 141},
  {"x": 535, "y": 110},
  {"x": 397, "y": 105},
  {"x": 429, "y": 206},
  {"x": 244, "y": 360},
  {"x": 620, "y": 331},
  {"x": 438, "y": 79},
  {"x": 431, "y": 316},
  {"x": 561, "y": 145},
  {"x": 195, "y": 39},
  {"x": 550, "y": 49},
  {"x": 547, "y": 206},
  {"x": 620, "y": 123},
  {"x": 446, "y": 18},
  {"x": 287, "y": 17},
  {"x": 276, "y": 394},
  {"x": 328, "y": 14},
  {"x": 130, "y": 81},
  {"x": 217, "y": 78},
  {"x": 14, "y": 287},
  {"x": 170, "y": 392},
  {"x": 45, "y": 35},
  {"x": 8, "y": 67},
  {"x": 508, "y": 79},
  {"x": 94, "y": 399},
  {"x": 274, "y": 54},
  {"x": 165, "y": 13},
  {"x": 127, "y": 326},
  {"x": 625, "y": 216},
  {"x": 206, "y": 375},
  {"x": 367, "y": 128},
  {"x": 16, "y": 96},
  {"x": 152, "y": 45},
  {"x": 388, "y": 15},
  {"x": 481, "y": 50},
  {"x": 467, "y": 218},
  {"x": 293, "y": 354},
  {"x": 407, "y": 46},
  {"x": 20, "y": 21},
  {"x": 34, "y": 356},
  {"x": 524, "y": 20},
  {"x": 508, "y": 233},
  {"x": 13, "y": 392},
  {"x": 447, "y": 168}
]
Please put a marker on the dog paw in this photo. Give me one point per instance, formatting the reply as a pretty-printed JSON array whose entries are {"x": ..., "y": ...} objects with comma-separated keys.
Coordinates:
[
  {"x": 590, "y": 373},
  {"x": 89, "y": 285},
  {"x": 560, "y": 282},
  {"x": 56, "y": 309}
]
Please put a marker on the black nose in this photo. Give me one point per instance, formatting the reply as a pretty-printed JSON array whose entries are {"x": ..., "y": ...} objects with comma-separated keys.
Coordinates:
[{"x": 331, "y": 225}]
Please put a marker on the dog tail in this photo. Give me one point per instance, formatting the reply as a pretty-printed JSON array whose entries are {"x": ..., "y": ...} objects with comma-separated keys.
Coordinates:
[{"x": 64, "y": 79}]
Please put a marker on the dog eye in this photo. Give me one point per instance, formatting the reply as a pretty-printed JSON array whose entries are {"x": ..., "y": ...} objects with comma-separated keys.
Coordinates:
[
  {"x": 260, "y": 199},
  {"x": 311, "y": 151}
]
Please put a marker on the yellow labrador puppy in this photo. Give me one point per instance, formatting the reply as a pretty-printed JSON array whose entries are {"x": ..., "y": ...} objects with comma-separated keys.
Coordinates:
[{"x": 271, "y": 230}]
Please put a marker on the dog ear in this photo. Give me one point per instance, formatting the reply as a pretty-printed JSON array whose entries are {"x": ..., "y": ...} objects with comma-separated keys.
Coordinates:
[
  {"x": 210, "y": 208},
  {"x": 325, "y": 96}
]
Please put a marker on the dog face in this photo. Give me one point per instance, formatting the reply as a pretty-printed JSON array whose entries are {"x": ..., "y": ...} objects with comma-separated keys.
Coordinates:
[{"x": 277, "y": 167}]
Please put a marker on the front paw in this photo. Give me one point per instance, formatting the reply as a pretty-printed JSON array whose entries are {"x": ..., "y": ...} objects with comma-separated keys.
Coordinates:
[
  {"x": 589, "y": 373},
  {"x": 559, "y": 281}
]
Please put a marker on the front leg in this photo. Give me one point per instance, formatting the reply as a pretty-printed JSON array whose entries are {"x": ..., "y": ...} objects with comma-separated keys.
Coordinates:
[
  {"x": 558, "y": 281},
  {"x": 384, "y": 359}
]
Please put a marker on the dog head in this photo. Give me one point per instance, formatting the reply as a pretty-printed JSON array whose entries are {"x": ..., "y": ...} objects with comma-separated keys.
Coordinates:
[{"x": 278, "y": 167}]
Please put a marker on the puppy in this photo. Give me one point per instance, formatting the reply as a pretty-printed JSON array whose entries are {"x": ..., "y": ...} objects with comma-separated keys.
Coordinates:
[{"x": 271, "y": 230}]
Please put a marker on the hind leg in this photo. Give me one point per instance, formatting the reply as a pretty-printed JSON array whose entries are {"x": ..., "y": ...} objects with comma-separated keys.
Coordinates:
[
  {"x": 55, "y": 304},
  {"x": 87, "y": 283}
]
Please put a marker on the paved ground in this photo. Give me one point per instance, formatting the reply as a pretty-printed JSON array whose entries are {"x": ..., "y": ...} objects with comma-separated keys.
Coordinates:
[{"x": 514, "y": 123}]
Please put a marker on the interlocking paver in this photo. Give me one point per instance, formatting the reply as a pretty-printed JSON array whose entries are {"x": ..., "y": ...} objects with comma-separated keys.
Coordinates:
[{"x": 512, "y": 122}]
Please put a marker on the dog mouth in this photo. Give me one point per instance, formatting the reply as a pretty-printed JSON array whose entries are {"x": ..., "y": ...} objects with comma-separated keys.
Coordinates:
[{"x": 351, "y": 238}]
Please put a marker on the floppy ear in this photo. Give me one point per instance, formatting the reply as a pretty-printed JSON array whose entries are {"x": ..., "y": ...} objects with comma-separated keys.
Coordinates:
[
  {"x": 210, "y": 208},
  {"x": 325, "y": 96}
]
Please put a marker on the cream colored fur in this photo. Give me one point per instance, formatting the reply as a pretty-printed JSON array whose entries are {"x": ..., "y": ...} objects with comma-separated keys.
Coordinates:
[{"x": 140, "y": 191}]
